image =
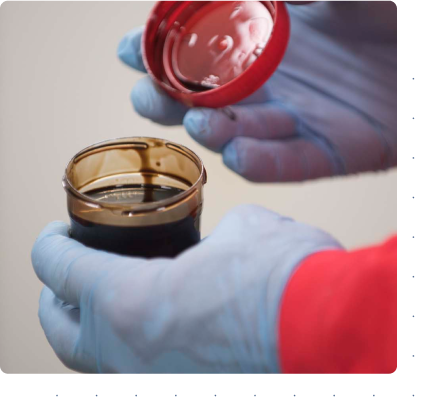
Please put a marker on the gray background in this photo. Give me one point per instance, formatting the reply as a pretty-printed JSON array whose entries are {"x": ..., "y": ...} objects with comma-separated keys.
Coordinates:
[{"x": 62, "y": 88}]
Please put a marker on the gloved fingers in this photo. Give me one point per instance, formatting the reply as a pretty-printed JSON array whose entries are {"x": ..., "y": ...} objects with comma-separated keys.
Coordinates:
[
  {"x": 55, "y": 257},
  {"x": 69, "y": 268},
  {"x": 154, "y": 104},
  {"x": 129, "y": 49},
  {"x": 293, "y": 159},
  {"x": 213, "y": 128},
  {"x": 61, "y": 324},
  {"x": 148, "y": 101}
]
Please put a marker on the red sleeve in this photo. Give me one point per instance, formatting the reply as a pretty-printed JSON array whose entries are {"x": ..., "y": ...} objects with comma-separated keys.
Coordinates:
[{"x": 339, "y": 313}]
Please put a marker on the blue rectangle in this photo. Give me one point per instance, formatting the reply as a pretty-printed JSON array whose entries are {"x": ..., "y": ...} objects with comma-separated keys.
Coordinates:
[{"x": 427, "y": 162}]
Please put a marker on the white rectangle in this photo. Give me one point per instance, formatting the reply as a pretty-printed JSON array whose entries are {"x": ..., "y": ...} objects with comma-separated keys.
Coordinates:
[
  {"x": 428, "y": 227},
  {"x": 429, "y": 344},
  {"x": 429, "y": 324},
  {"x": 428, "y": 208}
]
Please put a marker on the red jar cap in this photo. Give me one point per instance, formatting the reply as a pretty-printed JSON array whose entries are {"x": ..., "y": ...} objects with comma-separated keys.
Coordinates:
[{"x": 200, "y": 52}]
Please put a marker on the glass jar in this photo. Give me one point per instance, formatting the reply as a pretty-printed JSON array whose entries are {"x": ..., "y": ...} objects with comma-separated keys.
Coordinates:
[{"x": 136, "y": 196}]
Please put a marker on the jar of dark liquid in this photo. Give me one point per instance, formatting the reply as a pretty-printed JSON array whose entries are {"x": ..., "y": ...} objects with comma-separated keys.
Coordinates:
[{"x": 136, "y": 196}]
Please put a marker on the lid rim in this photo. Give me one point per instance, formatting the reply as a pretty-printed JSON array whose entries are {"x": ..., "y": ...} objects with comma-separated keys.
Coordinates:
[{"x": 242, "y": 86}]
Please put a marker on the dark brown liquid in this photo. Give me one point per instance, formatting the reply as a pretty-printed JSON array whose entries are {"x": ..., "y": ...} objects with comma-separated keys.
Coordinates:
[{"x": 166, "y": 240}]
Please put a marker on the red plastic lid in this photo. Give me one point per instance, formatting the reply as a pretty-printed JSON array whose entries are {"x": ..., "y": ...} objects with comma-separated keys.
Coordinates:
[{"x": 214, "y": 53}]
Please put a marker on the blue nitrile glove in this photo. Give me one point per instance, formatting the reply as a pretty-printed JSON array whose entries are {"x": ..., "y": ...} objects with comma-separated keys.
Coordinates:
[
  {"x": 214, "y": 308},
  {"x": 329, "y": 109}
]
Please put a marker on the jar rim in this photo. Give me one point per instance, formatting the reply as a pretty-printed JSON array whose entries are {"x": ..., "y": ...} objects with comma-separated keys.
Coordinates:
[{"x": 133, "y": 208}]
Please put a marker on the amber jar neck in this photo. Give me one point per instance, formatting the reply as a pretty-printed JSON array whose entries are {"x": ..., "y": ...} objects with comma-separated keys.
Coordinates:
[{"x": 138, "y": 160}]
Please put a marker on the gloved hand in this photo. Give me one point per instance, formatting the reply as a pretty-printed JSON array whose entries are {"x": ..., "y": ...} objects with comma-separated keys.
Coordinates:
[
  {"x": 329, "y": 109},
  {"x": 214, "y": 308}
]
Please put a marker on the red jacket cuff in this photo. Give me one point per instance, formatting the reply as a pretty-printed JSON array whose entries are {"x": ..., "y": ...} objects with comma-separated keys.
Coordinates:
[{"x": 339, "y": 313}]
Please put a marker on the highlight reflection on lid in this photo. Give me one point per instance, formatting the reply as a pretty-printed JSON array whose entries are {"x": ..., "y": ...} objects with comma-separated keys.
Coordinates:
[{"x": 220, "y": 41}]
